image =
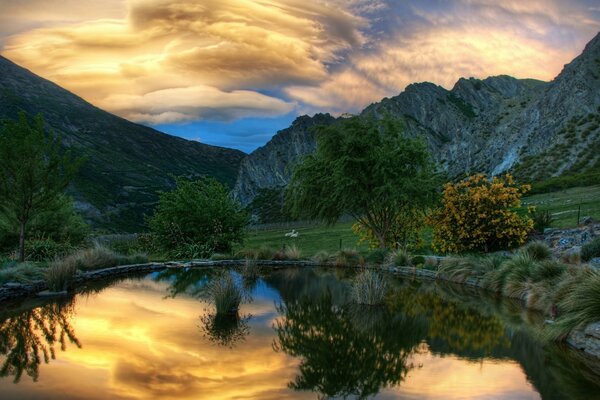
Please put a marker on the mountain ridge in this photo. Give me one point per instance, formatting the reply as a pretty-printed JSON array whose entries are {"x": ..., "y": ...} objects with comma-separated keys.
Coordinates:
[
  {"x": 127, "y": 163},
  {"x": 532, "y": 128}
]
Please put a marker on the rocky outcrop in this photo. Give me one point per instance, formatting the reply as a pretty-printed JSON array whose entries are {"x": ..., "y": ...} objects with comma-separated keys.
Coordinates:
[
  {"x": 536, "y": 129},
  {"x": 272, "y": 165}
]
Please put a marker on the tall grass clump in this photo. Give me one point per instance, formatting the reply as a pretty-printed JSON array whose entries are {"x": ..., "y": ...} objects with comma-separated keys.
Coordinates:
[
  {"x": 348, "y": 258},
  {"x": 376, "y": 256},
  {"x": 250, "y": 270},
  {"x": 292, "y": 252},
  {"x": 459, "y": 269},
  {"x": 322, "y": 258},
  {"x": 517, "y": 279},
  {"x": 400, "y": 258},
  {"x": 537, "y": 250},
  {"x": 100, "y": 257},
  {"x": 590, "y": 249},
  {"x": 26, "y": 272},
  {"x": 579, "y": 307},
  {"x": 369, "y": 288},
  {"x": 224, "y": 294},
  {"x": 59, "y": 276}
]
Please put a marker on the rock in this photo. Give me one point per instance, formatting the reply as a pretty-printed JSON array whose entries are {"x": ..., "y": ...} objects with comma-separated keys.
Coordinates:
[
  {"x": 593, "y": 330},
  {"x": 595, "y": 262},
  {"x": 587, "y": 221},
  {"x": 48, "y": 293}
]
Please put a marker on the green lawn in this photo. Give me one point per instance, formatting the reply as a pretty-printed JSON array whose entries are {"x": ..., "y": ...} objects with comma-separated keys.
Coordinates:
[{"x": 562, "y": 205}]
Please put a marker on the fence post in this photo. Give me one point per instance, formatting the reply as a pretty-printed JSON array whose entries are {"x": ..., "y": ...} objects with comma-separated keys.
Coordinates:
[
  {"x": 578, "y": 212},
  {"x": 340, "y": 243}
]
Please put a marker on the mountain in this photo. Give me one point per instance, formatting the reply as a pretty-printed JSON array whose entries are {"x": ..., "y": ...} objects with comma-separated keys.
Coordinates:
[
  {"x": 127, "y": 164},
  {"x": 534, "y": 129}
]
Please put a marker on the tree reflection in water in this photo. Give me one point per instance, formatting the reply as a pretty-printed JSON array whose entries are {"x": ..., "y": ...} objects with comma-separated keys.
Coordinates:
[
  {"x": 346, "y": 350},
  {"x": 29, "y": 337}
]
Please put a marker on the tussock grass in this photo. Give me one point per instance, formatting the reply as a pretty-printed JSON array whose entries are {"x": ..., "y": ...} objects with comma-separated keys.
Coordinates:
[
  {"x": 292, "y": 252},
  {"x": 348, "y": 258},
  {"x": 21, "y": 272},
  {"x": 591, "y": 249},
  {"x": 100, "y": 257},
  {"x": 322, "y": 258},
  {"x": 400, "y": 258},
  {"x": 537, "y": 250},
  {"x": 369, "y": 288},
  {"x": 224, "y": 294},
  {"x": 59, "y": 276},
  {"x": 250, "y": 270}
]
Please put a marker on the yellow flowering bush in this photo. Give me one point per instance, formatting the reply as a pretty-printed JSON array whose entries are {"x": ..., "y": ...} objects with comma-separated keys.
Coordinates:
[
  {"x": 478, "y": 214},
  {"x": 403, "y": 232}
]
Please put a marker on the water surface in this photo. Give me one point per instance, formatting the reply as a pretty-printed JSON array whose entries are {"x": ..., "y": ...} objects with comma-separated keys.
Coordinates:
[{"x": 299, "y": 337}]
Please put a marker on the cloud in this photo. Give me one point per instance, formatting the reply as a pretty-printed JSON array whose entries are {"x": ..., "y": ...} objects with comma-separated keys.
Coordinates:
[{"x": 195, "y": 103}]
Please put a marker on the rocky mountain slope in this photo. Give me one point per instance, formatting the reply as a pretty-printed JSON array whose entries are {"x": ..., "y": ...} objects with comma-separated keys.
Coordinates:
[
  {"x": 535, "y": 129},
  {"x": 126, "y": 163}
]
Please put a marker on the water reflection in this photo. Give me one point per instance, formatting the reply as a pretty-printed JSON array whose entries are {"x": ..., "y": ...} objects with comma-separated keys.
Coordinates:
[
  {"x": 346, "y": 351},
  {"x": 28, "y": 337},
  {"x": 225, "y": 329}
]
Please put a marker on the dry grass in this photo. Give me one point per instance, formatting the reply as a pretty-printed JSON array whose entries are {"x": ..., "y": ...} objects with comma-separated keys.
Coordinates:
[
  {"x": 369, "y": 288},
  {"x": 348, "y": 258},
  {"x": 99, "y": 257},
  {"x": 59, "y": 276}
]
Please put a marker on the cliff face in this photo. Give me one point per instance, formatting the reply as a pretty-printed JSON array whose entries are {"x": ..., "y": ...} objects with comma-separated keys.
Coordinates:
[
  {"x": 127, "y": 164},
  {"x": 535, "y": 129},
  {"x": 272, "y": 165}
]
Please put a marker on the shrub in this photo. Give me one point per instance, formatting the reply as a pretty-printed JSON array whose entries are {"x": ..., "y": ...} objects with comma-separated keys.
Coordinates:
[
  {"x": 590, "y": 249},
  {"x": 59, "y": 276},
  {"x": 542, "y": 219},
  {"x": 369, "y": 288},
  {"x": 348, "y": 258},
  {"x": 376, "y": 256},
  {"x": 404, "y": 232},
  {"x": 417, "y": 260},
  {"x": 537, "y": 250},
  {"x": 45, "y": 249},
  {"x": 224, "y": 294},
  {"x": 262, "y": 253},
  {"x": 199, "y": 213},
  {"x": 478, "y": 215}
]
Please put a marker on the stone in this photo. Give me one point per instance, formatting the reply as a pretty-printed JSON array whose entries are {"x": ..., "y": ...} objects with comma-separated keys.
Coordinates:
[
  {"x": 49, "y": 293},
  {"x": 595, "y": 262},
  {"x": 593, "y": 330}
]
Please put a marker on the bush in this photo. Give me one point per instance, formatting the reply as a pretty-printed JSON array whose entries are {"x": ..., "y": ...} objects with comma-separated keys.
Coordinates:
[
  {"x": 477, "y": 215},
  {"x": 197, "y": 219},
  {"x": 376, "y": 256},
  {"x": 369, "y": 288},
  {"x": 224, "y": 294},
  {"x": 45, "y": 249},
  {"x": 542, "y": 219},
  {"x": 537, "y": 250},
  {"x": 590, "y": 249},
  {"x": 405, "y": 231},
  {"x": 59, "y": 276},
  {"x": 417, "y": 260}
]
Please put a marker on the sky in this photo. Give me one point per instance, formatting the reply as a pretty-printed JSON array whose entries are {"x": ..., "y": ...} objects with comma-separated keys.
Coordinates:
[{"x": 233, "y": 72}]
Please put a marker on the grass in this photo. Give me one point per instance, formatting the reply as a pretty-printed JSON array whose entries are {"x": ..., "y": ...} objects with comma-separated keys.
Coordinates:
[
  {"x": 26, "y": 272},
  {"x": 591, "y": 249},
  {"x": 59, "y": 276},
  {"x": 224, "y": 294},
  {"x": 99, "y": 257},
  {"x": 369, "y": 288}
]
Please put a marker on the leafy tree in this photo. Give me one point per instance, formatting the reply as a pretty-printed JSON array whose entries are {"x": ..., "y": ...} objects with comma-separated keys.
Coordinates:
[
  {"x": 478, "y": 214},
  {"x": 197, "y": 219},
  {"x": 365, "y": 169},
  {"x": 34, "y": 171}
]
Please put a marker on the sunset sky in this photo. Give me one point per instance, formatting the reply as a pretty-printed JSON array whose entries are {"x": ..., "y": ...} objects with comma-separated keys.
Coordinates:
[{"x": 233, "y": 72}]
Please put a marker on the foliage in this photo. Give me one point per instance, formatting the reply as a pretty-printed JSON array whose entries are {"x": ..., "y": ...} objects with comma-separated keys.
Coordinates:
[
  {"x": 404, "y": 232},
  {"x": 224, "y": 294},
  {"x": 268, "y": 206},
  {"x": 376, "y": 256},
  {"x": 478, "y": 215},
  {"x": 337, "y": 346},
  {"x": 365, "y": 169},
  {"x": 369, "y": 288},
  {"x": 591, "y": 249},
  {"x": 197, "y": 219},
  {"x": 225, "y": 329},
  {"x": 45, "y": 249},
  {"x": 542, "y": 219},
  {"x": 400, "y": 258},
  {"x": 60, "y": 276},
  {"x": 322, "y": 258},
  {"x": 34, "y": 171}
]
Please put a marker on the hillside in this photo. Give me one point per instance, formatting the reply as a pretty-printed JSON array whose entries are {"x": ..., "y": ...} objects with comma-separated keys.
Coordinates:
[
  {"x": 536, "y": 129},
  {"x": 126, "y": 163}
]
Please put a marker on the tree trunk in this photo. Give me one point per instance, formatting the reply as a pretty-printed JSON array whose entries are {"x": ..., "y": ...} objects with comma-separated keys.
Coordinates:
[{"x": 22, "y": 242}]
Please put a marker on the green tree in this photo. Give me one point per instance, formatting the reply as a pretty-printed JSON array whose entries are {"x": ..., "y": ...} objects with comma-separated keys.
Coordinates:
[
  {"x": 366, "y": 169},
  {"x": 34, "y": 172},
  {"x": 196, "y": 219}
]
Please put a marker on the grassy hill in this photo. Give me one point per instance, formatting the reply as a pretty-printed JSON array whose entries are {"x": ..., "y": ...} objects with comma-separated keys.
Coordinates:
[{"x": 127, "y": 164}]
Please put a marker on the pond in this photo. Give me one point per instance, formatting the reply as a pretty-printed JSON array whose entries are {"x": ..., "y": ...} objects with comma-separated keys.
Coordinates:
[{"x": 298, "y": 336}]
